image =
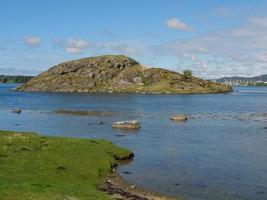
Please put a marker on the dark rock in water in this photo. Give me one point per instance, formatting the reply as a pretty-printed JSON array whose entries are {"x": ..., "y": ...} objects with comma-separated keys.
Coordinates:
[
  {"x": 178, "y": 118},
  {"x": 127, "y": 124},
  {"x": 265, "y": 127},
  {"x": 117, "y": 73},
  {"x": 120, "y": 135},
  {"x": 96, "y": 123},
  {"x": 16, "y": 110},
  {"x": 126, "y": 172},
  {"x": 83, "y": 112}
]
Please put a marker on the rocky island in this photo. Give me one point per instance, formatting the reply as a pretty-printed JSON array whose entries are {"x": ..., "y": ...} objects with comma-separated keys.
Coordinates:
[{"x": 117, "y": 73}]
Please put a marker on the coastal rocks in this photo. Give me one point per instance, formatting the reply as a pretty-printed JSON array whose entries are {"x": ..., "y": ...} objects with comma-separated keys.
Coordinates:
[
  {"x": 127, "y": 124},
  {"x": 178, "y": 118},
  {"x": 121, "y": 190}
]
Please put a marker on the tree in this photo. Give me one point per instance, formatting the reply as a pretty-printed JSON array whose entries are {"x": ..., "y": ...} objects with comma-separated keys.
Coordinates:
[{"x": 187, "y": 74}]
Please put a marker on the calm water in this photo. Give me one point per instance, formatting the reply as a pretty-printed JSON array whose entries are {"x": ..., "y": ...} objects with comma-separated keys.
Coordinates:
[{"x": 220, "y": 153}]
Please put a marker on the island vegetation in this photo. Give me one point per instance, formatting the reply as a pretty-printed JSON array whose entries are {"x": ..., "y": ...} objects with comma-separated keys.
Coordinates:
[
  {"x": 14, "y": 79},
  {"x": 118, "y": 73}
]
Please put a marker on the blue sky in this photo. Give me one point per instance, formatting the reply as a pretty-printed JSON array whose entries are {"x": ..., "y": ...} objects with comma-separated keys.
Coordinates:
[{"x": 212, "y": 38}]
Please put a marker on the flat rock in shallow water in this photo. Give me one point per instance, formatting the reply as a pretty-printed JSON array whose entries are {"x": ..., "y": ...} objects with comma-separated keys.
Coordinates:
[
  {"x": 127, "y": 124},
  {"x": 84, "y": 113},
  {"x": 17, "y": 110},
  {"x": 178, "y": 118}
]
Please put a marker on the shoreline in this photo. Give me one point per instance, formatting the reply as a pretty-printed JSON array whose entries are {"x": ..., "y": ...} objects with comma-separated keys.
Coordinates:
[
  {"x": 116, "y": 187},
  {"x": 79, "y": 154}
]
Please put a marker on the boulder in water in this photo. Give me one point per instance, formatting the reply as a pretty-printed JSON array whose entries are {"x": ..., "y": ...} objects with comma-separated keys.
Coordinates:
[
  {"x": 178, "y": 118},
  {"x": 16, "y": 110},
  {"x": 126, "y": 124}
]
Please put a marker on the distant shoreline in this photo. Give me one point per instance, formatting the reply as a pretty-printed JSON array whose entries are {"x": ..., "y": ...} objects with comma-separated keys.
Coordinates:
[{"x": 15, "y": 78}]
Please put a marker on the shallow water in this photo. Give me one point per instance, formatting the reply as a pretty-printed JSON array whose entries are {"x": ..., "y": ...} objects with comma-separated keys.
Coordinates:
[{"x": 219, "y": 153}]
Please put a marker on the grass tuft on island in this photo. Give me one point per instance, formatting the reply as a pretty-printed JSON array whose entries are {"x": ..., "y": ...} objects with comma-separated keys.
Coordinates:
[{"x": 36, "y": 167}]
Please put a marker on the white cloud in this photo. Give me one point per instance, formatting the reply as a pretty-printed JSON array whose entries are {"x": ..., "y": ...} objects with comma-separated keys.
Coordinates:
[
  {"x": 123, "y": 48},
  {"x": 74, "y": 46},
  {"x": 260, "y": 21},
  {"x": 175, "y": 23},
  {"x": 32, "y": 41},
  {"x": 234, "y": 51}
]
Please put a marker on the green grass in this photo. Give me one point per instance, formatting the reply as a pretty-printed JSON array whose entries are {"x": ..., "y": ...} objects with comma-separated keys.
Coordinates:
[{"x": 41, "y": 168}]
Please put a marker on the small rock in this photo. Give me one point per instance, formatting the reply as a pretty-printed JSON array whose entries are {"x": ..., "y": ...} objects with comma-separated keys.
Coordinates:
[
  {"x": 126, "y": 172},
  {"x": 127, "y": 124},
  {"x": 100, "y": 122},
  {"x": 178, "y": 118},
  {"x": 265, "y": 127},
  {"x": 120, "y": 135},
  {"x": 16, "y": 110},
  {"x": 133, "y": 187}
]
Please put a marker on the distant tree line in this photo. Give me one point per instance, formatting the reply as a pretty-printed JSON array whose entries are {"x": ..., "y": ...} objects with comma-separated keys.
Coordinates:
[{"x": 14, "y": 79}]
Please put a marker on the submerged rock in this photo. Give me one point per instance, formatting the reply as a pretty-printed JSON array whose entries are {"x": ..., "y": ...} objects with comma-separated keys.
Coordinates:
[
  {"x": 16, "y": 110},
  {"x": 120, "y": 135},
  {"x": 100, "y": 122},
  {"x": 178, "y": 118},
  {"x": 127, "y": 124},
  {"x": 84, "y": 113}
]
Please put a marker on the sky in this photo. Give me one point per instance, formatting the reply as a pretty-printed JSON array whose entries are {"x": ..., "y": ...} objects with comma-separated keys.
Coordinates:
[{"x": 213, "y": 38}]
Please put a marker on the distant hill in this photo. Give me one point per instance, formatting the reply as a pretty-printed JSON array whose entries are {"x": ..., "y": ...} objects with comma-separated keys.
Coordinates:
[
  {"x": 262, "y": 78},
  {"x": 14, "y": 79},
  {"x": 117, "y": 73}
]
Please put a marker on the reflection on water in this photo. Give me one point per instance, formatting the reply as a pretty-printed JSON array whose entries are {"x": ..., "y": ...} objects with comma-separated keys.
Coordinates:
[{"x": 219, "y": 153}]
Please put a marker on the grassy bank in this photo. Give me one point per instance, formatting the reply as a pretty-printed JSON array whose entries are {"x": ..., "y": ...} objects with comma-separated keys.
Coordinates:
[{"x": 40, "y": 168}]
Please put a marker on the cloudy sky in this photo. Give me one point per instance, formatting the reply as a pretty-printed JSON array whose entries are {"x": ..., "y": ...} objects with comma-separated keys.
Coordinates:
[{"x": 213, "y": 38}]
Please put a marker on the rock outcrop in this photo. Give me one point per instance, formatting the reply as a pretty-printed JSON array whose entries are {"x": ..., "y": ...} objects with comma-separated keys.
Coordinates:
[
  {"x": 127, "y": 124},
  {"x": 178, "y": 118},
  {"x": 117, "y": 73}
]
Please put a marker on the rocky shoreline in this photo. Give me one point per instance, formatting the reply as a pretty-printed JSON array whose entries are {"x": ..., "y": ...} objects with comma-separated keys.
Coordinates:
[{"x": 117, "y": 188}]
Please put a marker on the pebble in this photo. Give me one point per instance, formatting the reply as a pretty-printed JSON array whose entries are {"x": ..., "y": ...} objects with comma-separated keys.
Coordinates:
[{"x": 132, "y": 186}]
